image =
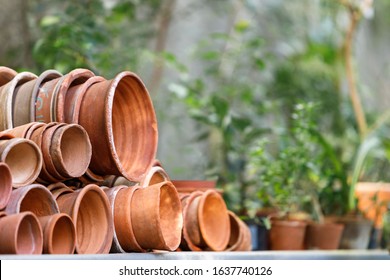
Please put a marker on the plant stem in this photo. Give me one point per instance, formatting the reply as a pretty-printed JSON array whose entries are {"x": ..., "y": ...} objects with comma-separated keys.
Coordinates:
[{"x": 353, "y": 93}]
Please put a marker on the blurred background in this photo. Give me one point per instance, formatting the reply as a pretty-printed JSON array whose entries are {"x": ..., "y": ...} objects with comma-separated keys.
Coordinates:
[{"x": 233, "y": 81}]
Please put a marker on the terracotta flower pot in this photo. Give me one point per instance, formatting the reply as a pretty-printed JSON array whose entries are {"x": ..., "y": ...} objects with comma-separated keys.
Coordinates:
[
  {"x": 52, "y": 95},
  {"x": 124, "y": 240},
  {"x": 21, "y": 131},
  {"x": 26, "y": 97},
  {"x": 35, "y": 198},
  {"x": 240, "y": 236},
  {"x": 74, "y": 98},
  {"x": 89, "y": 209},
  {"x": 23, "y": 158},
  {"x": 58, "y": 189},
  {"x": 325, "y": 236},
  {"x": 5, "y": 184},
  {"x": 186, "y": 200},
  {"x": 187, "y": 186},
  {"x": 6, "y": 98},
  {"x": 6, "y": 75},
  {"x": 71, "y": 150},
  {"x": 155, "y": 175},
  {"x": 156, "y": 217},
  {"x": 59, "y": 236},
  {"x": 20, "y": 234},
  {"x": 287, "y": 235},
  {"x": 208, "y": 222},
  {"x": 120, "y": 120}
]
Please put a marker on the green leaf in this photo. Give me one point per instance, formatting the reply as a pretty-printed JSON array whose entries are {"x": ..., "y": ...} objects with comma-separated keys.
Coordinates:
[
  {"x": 49, "y": 20},
  {"x": 242, "y": 25}
]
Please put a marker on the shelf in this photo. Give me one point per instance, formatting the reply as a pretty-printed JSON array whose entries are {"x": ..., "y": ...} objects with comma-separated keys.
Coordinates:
[{"x": 254, "y": 255}]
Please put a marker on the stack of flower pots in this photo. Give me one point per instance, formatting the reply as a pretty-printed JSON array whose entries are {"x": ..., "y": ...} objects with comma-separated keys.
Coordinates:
[{"x": 78, "y": 172}]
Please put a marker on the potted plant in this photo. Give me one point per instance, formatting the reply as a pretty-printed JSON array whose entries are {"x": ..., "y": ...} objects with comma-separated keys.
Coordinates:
[{"x": 291, "y": 181}]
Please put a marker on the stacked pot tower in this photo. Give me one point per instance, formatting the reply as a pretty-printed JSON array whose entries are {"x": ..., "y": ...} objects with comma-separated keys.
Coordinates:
[{"x": 78, "y": 172}]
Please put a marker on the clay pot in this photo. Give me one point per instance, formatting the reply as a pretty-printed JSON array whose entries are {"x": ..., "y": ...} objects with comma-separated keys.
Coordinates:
[
  {"x": 20, "y": 234},
  {"x": 240, "y": 236},
  {"x": 5, "y": 184},
  {"x": 74, "y": 98},
  {"x": 156, "y": 217},
  {"x": 35, "y": 198},
  {"x": 324, "y": 236},
  {"x": 187, "y": 186},
  {"x": 89, "y": 209},
  {"x": 58, "y": 189},
  {"x": 186, "y": 200},
  {"x": 26, "y": 95},
  {"x": 59, "y": 236},
  {"x": 207, "y": 221},
  {"x": 155, "y": 175},
  {"x": 6, "y": 98},
  {"x": 22, "y": 131},
  {"x": 119, "y": 118},
  {"x": 52, "y": 95},
  {"x": 23, "y": 158},
  {"x": 71, "y": 150},
  {"x": 6, "y": 75},
  {"x": 287, "y": 235},
  {"x": 124, "y": 240}
]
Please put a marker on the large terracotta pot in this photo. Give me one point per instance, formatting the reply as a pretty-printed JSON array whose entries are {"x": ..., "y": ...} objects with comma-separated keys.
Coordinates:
[
  {"x": 124, "y": 240},
  {"x": 89, "y": 209},
  {"x": 5, "y": 184},
  {"x": 287, "y": 235},
  {"x": 26, "y": 96},
  {"x": 120, "y": 120},
  {"x": 35, "y": 198},
  {"x": 20, "y": 234},
  {"x": 23, "y": 158},
  {"x": 6, "y": 98},
  {"x": 324, "y": 236},
  {"x": 156, "y": 217},
  {"x": 6, "y": 75},
  {"x": 52, "y": 95},
  {"x": 59, "y": 236},
  {"x": 74, "y": 98},
  {"x": 207, "y": 221}
]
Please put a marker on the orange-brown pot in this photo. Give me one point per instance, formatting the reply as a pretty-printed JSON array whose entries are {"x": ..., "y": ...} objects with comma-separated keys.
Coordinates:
[
  {"x": 89, "y": 209},
  {"x": 324, "y": 236},
  {"x": 20, "y": 234},
  {"x": 287, "y": 235},
  {"x": 120, "y": 120},
  {"x": 5, "y": 184},
  {"x": 156, "y": 217}
]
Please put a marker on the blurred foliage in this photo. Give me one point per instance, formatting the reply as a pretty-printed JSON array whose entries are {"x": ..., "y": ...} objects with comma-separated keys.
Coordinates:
[{"x": 88, "y": 34}]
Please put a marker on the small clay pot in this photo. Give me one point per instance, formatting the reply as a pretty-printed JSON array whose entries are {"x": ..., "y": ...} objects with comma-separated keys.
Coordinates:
[
  {"x": 71, "y": 150},
  {"x": 155, "y": 175},
  {"x": 23, "y": 158},
  {"x": 59, "y": 235},
  {"x": 43, "y": 95},
  {"x": 156, "y": 217},
  {"x": 287, "y": 235},
  {"x": 35, "y": 198},
  {"x": 6, "y": 98},
  {"x": 5, "y": 184},
  {"x": 323, "y": 236},
  {"x": 20, "y": 234},
  {"x": 58, "y": 190},
  {"x": 188, "y": 186},
  {"x": 246, "y": 242},
  {"x": 89, "y": 209},
  {"x": 22, "y": 130},
  {"x": 119, "y": 118},
  {"x": 210, "y": 221},
  {"x": 186, "y": 200},
  {"x": 120, "y": 198},
  {"x": 236, "y": 232},
  {"x": 74, "y": 98},
  {"x": 6, "y": 75}
]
